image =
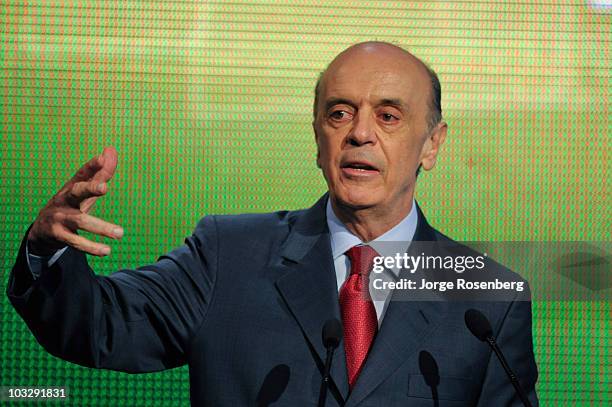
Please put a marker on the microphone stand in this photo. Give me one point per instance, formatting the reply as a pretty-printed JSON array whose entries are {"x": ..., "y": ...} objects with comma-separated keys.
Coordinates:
[
  {"x": 513, "y": 379},
  {"x": 325, "y": 380}
]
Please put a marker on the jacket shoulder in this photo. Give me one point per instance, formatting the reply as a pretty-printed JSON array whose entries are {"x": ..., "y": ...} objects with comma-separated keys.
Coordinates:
[
  {"x": 493, "y": 268},
  {"x": 252, "y": 225}
]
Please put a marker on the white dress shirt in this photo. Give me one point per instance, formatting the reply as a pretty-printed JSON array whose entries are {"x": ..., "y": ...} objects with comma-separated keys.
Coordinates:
[
  {"x": 395, "y": 240},
  {"x": 39, "y": 263}
]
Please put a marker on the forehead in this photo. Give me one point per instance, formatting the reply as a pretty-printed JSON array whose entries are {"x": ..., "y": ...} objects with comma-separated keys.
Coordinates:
[{"x": 367, "y": 76}]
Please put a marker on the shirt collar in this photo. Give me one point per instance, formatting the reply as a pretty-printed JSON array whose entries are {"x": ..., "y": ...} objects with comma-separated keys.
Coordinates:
[{"x": 342, "y": 239}]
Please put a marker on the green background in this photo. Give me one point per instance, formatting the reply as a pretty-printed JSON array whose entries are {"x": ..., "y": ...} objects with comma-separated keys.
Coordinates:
[{"x": 209, "y": 105}]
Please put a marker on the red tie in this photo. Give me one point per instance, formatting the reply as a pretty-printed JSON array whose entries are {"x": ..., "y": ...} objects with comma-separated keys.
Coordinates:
[{"x": 358, "y": 313}]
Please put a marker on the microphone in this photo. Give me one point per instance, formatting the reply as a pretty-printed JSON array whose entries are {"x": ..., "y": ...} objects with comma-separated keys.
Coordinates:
[
  {"x": 431, "y": 374},
  {"x": 274, "y": 385},
  {"x": 480, "y": 327},
  {"x": 332, "y": 333}
]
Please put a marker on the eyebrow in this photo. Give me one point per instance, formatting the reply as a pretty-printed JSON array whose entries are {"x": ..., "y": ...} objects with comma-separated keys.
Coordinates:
[
  {"x": 392, "y": 102},
  {"x": 338, "y": 101},
  {"x": 383, "y": 102}
]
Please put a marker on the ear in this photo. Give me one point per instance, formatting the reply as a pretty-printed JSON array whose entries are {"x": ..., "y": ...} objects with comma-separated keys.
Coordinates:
[
  {"x": 432, "y": 145},
  {"x": 316, "y": 135}
]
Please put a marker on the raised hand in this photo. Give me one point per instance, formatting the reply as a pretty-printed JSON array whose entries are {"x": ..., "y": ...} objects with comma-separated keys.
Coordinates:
[{"x": 68, "y": 211}]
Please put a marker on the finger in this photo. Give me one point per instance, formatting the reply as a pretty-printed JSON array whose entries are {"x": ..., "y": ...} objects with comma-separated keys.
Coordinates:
[
  {"x": 88, "y": 170},
  {"x": 81, "y": 243},
  {"x": 80, "y": 191},
  {"x": 94, "y": 225},
  {"x": 88, "y": 203},
  {"x": 109, "y": 165}
]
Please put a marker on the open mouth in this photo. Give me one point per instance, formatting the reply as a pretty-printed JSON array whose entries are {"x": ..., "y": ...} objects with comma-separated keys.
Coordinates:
[{"x": 359, "y": 168}]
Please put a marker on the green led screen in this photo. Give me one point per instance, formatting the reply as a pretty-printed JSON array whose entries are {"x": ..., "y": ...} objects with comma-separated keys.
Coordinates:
[{"x": 209, "y": 104}]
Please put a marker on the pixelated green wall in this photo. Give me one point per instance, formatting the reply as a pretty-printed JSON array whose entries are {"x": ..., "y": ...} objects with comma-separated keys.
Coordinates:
[{"x": 209, "y": 105}]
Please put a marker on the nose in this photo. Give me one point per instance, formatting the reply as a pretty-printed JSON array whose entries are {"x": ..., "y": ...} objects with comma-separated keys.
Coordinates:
[{"x": 363, "y": 131}]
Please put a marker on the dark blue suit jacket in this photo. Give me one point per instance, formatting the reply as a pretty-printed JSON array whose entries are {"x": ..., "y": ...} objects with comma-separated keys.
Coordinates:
[{"x": 243, "y": 303}]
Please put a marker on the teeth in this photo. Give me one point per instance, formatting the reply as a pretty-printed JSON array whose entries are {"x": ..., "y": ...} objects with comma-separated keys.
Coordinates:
[{"x": 361, "y": 167}]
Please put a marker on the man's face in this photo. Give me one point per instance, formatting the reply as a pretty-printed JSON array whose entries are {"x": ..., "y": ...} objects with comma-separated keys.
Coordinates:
[{"x": 371, "y": 128}]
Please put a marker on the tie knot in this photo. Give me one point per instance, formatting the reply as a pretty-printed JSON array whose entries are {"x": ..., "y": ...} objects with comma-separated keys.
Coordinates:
[{"x": 362, "y": 259}]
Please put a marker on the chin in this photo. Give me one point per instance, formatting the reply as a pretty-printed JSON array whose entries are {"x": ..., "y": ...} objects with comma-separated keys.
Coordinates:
[{"x": 357, "y": 198}]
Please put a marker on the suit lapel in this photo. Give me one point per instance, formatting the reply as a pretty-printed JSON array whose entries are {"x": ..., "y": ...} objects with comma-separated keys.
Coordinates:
[
  {"x": 308, "y": 285},
  {"x": 405, "y": 326}
]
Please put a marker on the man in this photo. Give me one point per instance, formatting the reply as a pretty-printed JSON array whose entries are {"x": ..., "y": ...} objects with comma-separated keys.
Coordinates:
[{"x": 244, "y": 300}]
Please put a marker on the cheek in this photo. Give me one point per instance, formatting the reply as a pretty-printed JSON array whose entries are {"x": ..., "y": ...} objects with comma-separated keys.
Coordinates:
[
  {"x": 328, "y": 150},
  {"x": 403, "y": 162}
]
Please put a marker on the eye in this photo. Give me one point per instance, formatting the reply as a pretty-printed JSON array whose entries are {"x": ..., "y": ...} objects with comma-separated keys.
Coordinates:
[
  {"x": 339, "y": 115},
  {"x": 388, "y": 117}
]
